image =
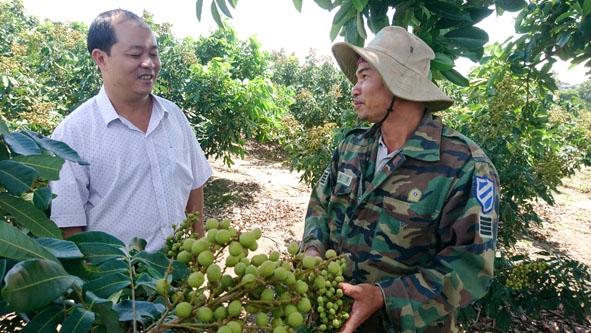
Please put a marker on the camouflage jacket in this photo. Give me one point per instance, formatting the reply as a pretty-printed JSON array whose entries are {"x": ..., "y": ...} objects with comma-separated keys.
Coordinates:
[{"x": 423, "y": 229}]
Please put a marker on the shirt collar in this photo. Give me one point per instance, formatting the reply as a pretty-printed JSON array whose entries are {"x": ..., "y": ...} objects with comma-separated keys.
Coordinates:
[
  {"x": 109, "y": 114},
  {"x": 425, "y": 142}
]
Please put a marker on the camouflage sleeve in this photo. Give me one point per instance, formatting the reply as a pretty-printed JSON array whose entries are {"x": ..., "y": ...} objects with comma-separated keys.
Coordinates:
[
  {"x": 316, "y": 231},
  {"x": 462, "y": 271}
]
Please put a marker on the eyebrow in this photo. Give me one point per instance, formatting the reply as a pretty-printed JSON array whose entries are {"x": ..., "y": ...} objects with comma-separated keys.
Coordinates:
[{"x": 361, "y": 70}]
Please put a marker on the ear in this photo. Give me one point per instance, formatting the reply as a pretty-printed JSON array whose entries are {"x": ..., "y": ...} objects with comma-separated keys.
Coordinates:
[{"x": 99, "y": 58}]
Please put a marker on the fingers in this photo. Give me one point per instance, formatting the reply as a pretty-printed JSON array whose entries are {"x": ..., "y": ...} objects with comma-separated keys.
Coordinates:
[{"x": 312, "y": 251}]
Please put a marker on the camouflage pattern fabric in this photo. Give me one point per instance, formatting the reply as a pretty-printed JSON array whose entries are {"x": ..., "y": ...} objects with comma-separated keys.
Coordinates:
[{"x": 423, "y": 229}]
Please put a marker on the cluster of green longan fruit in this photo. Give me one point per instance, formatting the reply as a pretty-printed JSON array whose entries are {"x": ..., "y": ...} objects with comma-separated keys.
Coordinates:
[
  {"x": 330, "y": 305},
  {"x": 231, "y": 289},
  {"x": 183, "y": 231},
  {"x": 523, "y": 275}
]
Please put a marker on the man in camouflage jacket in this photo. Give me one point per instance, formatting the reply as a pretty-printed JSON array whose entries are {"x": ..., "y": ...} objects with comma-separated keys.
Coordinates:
[{"x": 412, "y": 202}]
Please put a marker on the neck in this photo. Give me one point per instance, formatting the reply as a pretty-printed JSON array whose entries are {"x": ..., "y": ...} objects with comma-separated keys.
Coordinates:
[
  {"x": 400, "y": 125},
  {"x": 138, "y": 111}
]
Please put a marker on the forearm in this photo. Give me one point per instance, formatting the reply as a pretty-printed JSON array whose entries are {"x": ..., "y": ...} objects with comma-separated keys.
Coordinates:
[
  {"x": 69, "y": 231},
  {"x": 195, "y": 205}
]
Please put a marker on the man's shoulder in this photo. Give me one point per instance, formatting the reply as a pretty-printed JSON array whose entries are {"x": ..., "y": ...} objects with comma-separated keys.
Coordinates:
[
  {"x": 355, "y": 134},
  {"x": 81, "y": 115},
  {"x": 460, "y": 139},
  {"x": 167, "y": 104}
]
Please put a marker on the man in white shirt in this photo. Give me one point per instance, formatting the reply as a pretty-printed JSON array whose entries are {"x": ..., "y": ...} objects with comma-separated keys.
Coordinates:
[{"x": 146, "y": 169}]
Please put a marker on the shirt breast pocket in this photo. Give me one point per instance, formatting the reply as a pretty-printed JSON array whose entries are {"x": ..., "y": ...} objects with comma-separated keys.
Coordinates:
[
  {"x": 180, "y": 165},
  {"x": 405, "y": 228}
]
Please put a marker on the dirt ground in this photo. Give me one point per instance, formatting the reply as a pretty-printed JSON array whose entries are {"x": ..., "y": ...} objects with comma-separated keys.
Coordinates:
[{"x": 258, "y": 191}]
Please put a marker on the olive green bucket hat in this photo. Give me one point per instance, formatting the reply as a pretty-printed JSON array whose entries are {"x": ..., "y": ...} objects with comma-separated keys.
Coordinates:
[{"x": 403, "y": 61}]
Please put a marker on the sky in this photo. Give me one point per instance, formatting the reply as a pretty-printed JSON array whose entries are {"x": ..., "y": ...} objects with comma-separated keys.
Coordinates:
[{"x": 276, "y": 24}]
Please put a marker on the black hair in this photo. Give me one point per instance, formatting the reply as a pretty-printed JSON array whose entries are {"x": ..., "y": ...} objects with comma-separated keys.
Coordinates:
[{"x": 101, "y": 34}]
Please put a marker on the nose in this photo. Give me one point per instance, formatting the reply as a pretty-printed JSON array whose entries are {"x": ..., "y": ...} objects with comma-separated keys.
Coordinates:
[
  {"x": 355, "y": 91},
  {"x": 148, "y": 62}
]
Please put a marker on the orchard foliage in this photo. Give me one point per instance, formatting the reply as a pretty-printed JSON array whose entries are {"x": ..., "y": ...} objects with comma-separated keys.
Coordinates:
[{"x": 232, "y": 92}]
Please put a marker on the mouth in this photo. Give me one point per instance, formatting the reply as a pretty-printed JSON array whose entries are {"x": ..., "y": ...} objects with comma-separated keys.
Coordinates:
[{"x": 146, "y": 77}]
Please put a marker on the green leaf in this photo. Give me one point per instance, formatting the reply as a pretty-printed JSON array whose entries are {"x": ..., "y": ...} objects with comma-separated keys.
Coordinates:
[
  {"x": 360, "y": 26},
  {"x": 511, "y": 5},
  {"x": 96, "y": 253},
  {"x": 448, "y": 10},
  {"x": 138, "y": 244},
  {"x": 29, "y": 216},
  {"x": 21, "y": 144},
  {"x": 324, "y": 4},
  {"x": 298, "y": 5},
  {"x": 78, "y": 321},
  {"x": 107, "y": 285},
  {"x": 15, "y": 177},
  {"x": 155, "y": 260},
  {"x": 159, "y": 263},
  {"x": 334, "y": 31},
  {"x": 63, "y": 249},
  {"x": 42, "y": 197},
  {"x": 470, "y": 38},
  {"x": 342, "y": 13},
  {"x": 59, "y": 148},
  {"x": 47, "y": 166},
  {"x": 143, "y": 310},
  {"x": 198, "y": 9},
  {"x": 216, "y": 14},
  {"x": 442, "y": 62},
  {"x": 586, "y": 7},
  {"x": 359, "y": 4},
  {"x": 14, "y": 244},
  {"x": 96, "y": 237},
  {"x": 113, "y": 266},
  {"x": 32, "y": 285},
  {"x": 45, "y": 321},
  {"x": 104, "y": 308},
  {"x": 222, "y": 5},
  {"x": 455, "y": 77},
  {"x": 4, "y": 129}
]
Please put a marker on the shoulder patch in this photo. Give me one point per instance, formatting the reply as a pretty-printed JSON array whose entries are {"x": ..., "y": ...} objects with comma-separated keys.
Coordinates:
[
  {"x": 324, "y": 176},
  {"x": 485, "y": 193},
  {"x": 344, "y": 179}
]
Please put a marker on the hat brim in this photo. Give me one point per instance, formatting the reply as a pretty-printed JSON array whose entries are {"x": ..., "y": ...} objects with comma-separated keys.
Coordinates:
[{"x": 400, "y": 80}]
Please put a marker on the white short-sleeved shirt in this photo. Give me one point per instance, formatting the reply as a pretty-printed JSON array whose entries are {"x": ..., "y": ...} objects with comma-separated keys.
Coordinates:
[{"x": 136, "y": 184}]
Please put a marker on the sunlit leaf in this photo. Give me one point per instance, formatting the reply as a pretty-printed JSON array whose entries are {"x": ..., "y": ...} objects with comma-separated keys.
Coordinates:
[
  {"x": 47, "y": 166},
  {"x": 222, "y": 6},
  {"x": 21, "y": 144},
  {"x": 59, "y": 148},
  {"x": 60, "y": 248},
  {"x": 198, "y": 9},
  {"x": 298, "y": 5}
]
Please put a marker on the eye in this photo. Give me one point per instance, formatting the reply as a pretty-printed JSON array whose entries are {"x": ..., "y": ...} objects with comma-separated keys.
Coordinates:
[{"x": 135, "y": 56}]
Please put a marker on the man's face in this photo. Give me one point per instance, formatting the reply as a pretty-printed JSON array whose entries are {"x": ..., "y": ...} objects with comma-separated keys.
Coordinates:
[
  {"x": 134, "y": 63},
  {"x": 371, "y": 98}
]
